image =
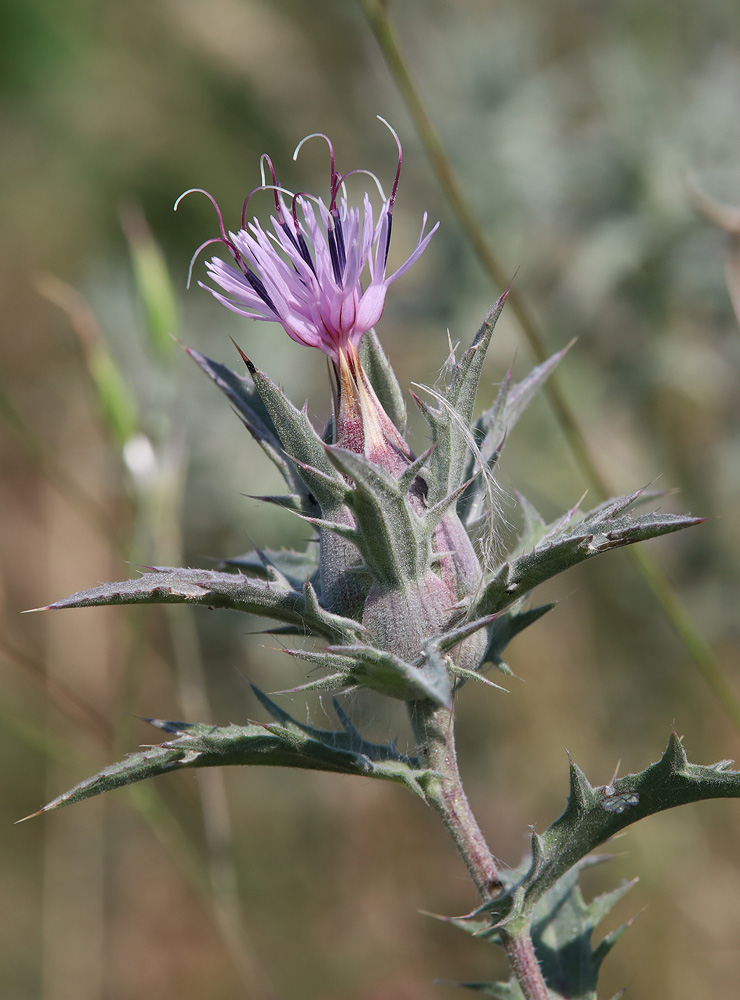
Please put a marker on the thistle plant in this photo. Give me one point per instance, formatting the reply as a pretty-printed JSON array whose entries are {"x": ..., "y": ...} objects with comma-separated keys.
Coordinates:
[{"x": 405, "y": 589}]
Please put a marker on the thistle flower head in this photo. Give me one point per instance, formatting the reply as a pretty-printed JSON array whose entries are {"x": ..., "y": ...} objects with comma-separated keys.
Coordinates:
[{"x": 317, "y": 268}]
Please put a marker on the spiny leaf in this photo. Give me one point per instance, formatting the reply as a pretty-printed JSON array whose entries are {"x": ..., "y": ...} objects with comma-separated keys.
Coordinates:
[
  {"x": 516, "y": 578},
  {"x": 466, "y": 375},
  {"x": 347, "y": 738},
  {"x": 562, "y": 928},
  {"x": 247, "y": 402},
  {"x": 535, "y": 532},
  {"x": 455, "y": 412},
  {"x": 438, "y": 650},
  {"x": 336, "y": 683},
  {"x": 562, "y": 548},
  {"x": 294, "y": 567},
  {"x": 291, "y": 502},
  {"x": 506, "y": 627},
  {"x": 365, "y": 666},
  {"x": 561, "y": 932},
  {"x": 449, "y": 639},
  {"x": 533, "y": 528},
  {"x": 494, "y": 424},
  {"x": 242, "y": 395},
  {"x": 434, "y": 514},
  {"x": 301, "y": 442},
  {"x": 594, "y": 814},
  {"x": 492, "y": 428},
  {"x": 284, "y": 744},
  {"x": 220, "y": 590},
  {"x": 670, "y": 782},
  {"x": 461, "y": 674}
]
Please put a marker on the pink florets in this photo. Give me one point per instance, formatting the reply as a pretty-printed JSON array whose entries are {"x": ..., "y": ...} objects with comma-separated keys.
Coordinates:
[{"x": 306, "y": 269}]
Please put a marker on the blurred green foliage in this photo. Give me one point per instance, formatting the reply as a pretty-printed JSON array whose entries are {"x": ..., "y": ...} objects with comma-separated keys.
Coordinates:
[{"x": 573, "y": 126}]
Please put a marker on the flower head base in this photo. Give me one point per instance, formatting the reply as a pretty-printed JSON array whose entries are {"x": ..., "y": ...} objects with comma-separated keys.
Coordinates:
[{"x": 307, "y": 268}]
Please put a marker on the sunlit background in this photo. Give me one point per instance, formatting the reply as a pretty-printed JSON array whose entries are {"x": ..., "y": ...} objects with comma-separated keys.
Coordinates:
[{"x": 578, "y": 131}]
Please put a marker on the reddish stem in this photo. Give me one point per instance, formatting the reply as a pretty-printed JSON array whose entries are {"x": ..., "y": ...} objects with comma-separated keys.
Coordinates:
[{"x": 435, "y": 739}]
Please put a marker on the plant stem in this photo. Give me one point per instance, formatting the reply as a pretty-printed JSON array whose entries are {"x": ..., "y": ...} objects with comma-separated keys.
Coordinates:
[
  {"x": 435, "y": 741},
  {"x": 524, "y": 964}
]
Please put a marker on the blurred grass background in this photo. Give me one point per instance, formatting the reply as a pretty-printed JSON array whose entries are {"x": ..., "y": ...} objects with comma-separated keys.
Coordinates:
[{"x": 572, "y": 126}]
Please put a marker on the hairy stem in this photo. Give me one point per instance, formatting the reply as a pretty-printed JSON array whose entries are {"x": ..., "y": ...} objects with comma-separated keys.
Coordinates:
[
  {"x": 524, "y": 964},
  {"x": 435, "y": 740}
]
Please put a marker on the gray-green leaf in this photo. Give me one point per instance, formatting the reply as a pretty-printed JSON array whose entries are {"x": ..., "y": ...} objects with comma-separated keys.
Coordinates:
[
  {"x": 283, "y": 743},
  {"x": 166, "y": 585}
]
